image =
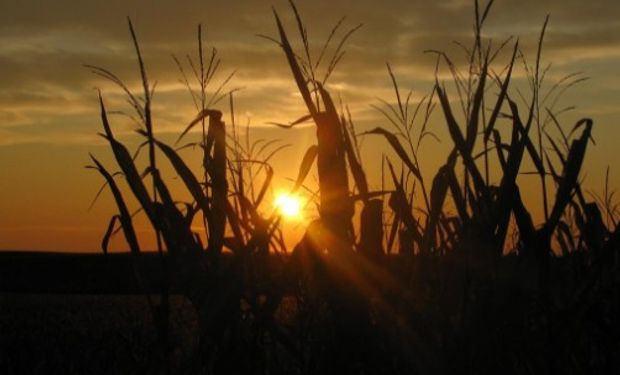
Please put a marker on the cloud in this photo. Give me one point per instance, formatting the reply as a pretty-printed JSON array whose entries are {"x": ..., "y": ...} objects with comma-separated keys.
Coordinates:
[{"x": 43, "y": 46}]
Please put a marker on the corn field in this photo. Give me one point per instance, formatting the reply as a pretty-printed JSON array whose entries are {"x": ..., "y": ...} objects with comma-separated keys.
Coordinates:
[{"x": 448, "y": 275}]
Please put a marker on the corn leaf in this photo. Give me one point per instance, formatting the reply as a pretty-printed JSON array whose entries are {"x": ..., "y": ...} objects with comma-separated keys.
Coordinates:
[{"x": 398, "y": 148}]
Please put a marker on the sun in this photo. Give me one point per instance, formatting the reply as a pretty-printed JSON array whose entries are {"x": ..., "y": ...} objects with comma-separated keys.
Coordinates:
[{"x": 288, "y": 205}]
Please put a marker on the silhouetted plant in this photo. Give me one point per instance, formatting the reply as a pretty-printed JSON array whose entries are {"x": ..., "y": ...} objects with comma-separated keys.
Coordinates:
[{"x": 448, "y": 298}]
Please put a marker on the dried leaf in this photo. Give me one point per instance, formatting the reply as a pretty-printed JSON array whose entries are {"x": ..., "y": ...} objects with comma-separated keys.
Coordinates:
[{"x": 398, "y": 148}]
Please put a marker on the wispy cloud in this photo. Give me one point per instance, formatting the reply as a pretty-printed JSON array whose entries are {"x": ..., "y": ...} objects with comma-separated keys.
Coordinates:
[{"x": 44, "y": 45}]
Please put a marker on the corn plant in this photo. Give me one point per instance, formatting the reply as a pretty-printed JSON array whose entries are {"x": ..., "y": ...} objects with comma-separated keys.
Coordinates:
[
  {"x": 356, "y": 308},
  {"x": 225, "y": 195},
  {"x": 483, "y": 208}
]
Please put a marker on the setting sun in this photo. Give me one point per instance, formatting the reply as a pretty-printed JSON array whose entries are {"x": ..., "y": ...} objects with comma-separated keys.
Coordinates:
[{"x": 288, "y": 205}]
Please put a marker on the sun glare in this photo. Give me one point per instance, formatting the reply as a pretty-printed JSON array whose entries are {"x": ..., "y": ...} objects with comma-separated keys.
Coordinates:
[{"x": 289, "y": 205}]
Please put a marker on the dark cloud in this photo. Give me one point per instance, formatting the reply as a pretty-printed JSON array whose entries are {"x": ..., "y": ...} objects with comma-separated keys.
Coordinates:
[{"x": 43, "y": 46}]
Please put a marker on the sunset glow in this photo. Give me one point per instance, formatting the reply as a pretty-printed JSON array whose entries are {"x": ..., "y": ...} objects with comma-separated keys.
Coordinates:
[
  {"x": 49, "y": 112},
  {"x": 289, "y": 206}
]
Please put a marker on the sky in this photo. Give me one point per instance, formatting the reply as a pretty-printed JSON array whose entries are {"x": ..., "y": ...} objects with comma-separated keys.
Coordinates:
[{"x": 48, "y": 100}]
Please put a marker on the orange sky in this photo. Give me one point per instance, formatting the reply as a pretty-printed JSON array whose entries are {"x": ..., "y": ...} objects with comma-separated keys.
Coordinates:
[{"x": 48, "y": 103}]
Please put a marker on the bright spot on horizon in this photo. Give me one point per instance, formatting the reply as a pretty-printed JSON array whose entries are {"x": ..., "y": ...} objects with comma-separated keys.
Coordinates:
[{"x": 289, "y": 206}]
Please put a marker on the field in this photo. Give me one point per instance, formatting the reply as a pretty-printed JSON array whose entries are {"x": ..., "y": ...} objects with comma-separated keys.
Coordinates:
[
  {"x": 504, "y": 329},
  {"x": 448, "y": 274},
  {"x": 85, "y": 334}
]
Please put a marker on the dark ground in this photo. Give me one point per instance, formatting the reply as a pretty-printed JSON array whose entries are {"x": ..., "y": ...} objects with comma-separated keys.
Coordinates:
[
  {"x": 81, "y": 314},
  {"x": 84, "y": 314},
  {"x": 85, "y": 334}
]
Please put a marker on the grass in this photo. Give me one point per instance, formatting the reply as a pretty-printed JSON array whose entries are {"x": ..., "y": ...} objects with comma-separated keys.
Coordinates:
[{"x": 449, "y": 300}]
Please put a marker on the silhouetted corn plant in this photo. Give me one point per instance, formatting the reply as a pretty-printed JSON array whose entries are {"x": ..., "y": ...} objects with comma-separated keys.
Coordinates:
[
  {"x": 336, "y": 207},
  {"x": 214, "y": 284},
  {"x": 355, "y": 307},
  {"x": 483, "y": 208}
]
